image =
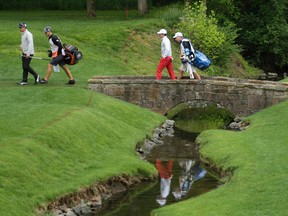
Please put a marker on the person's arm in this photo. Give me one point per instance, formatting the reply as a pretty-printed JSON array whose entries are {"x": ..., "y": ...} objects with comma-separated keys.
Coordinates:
[
  {"x": 56, "y": 40},
  {"x": 29, "y": 45}
]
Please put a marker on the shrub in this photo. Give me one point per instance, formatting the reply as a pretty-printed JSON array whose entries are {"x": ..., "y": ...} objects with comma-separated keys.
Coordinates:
[{"x": 205, "y": 34}]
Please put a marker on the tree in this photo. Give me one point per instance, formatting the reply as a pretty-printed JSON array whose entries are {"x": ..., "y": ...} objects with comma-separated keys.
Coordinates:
[
  {"x": 264, "y": 32},
  {"x": 206, "y": 35},
  {"x": 263, "y": 29},
  {"x": 91, "y": 8},
  {"x": 142, "y": 7}
]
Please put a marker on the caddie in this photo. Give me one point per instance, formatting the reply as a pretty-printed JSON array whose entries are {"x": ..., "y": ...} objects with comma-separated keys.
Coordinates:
[
  {"x": 187, "y": 55},
  {"x": 58, "y": 56}
]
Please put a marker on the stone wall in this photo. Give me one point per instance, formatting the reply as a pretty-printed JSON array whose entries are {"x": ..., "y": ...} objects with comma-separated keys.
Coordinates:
[{"x": 240, "y": 96}]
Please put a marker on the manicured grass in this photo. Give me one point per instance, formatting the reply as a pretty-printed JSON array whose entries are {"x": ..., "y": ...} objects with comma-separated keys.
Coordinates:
[
  {"x": 257, "y": 159},
  {"x": 56, "y": 139}
]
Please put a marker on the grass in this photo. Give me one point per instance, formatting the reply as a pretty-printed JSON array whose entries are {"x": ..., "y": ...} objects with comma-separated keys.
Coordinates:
[
  {"x": 56, "y": 139},
  {"x": 258, "y": 162}
]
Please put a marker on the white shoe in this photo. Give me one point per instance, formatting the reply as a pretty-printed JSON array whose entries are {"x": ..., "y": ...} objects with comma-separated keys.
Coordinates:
[{"x": 22, "y": 83}]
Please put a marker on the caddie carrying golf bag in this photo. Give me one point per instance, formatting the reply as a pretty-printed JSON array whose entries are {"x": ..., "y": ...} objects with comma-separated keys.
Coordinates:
[
  {"x": 201, "y": 61},
  {"x": 73, "y": 55}
]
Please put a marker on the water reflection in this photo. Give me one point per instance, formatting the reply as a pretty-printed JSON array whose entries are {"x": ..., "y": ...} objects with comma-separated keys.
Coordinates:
[
  {"x": 180, "y": 177},
  {"x": 165, "y": 173},
  {"x": 190, "y": 172}
]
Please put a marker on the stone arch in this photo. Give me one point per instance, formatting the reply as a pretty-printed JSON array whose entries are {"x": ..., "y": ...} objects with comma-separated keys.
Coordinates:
[{"x": 199, "y": 104}]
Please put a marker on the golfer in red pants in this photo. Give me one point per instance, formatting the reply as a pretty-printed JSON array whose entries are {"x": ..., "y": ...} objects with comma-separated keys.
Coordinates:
[{"x": 166, "y": 56}]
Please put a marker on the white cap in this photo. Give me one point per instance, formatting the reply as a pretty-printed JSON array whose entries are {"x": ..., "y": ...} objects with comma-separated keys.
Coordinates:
[
  {"x": 162, "y": 31},
  {"x": 178, "y": 34}
]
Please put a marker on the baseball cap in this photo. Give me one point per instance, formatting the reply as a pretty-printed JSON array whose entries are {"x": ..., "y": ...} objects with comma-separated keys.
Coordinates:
[
  {"x": 21, "y": 25},
  {"x": 178, "y": 34},
  {"x": 47, "y": 29},
  {"x": 162, "y": 31}
]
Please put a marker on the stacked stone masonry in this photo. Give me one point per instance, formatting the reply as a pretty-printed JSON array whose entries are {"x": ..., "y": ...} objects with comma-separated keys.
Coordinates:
[{"x": 240, "y": 96}]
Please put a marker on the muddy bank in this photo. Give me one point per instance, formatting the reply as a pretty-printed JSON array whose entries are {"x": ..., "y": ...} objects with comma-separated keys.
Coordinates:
[{"x": 90, "y": 200}]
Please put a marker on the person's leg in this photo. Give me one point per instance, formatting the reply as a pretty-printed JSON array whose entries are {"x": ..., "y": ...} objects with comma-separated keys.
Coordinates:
[
  {"x": 181, "y": 71},
  {"x": 170, "y": 68},
  {"x": 190, "y": 70},
  {"x": 25, "y": 65},
  {"x": 48, "y": 73},
  {"x": 160, "y": 67},
  {"x": 55, "y": 61},
  {"x": 68, "y": 73},
  {"x": 30, "y": 70},
  {"x": 197, "y": 76},
  {"x": 180, "y": 74}
]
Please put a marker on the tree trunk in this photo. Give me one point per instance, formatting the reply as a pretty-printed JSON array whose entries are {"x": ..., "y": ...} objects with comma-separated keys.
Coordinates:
[
  {"x": 142, "y": 7},
  {"x": 91, "y": 8}
]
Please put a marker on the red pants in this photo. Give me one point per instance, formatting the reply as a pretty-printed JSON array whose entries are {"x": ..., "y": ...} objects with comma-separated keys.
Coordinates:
[
  {"x": 165, "y": 62},
  {"x": 164, "y": 170}
]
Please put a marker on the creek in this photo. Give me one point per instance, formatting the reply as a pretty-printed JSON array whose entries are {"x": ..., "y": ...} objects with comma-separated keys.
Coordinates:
[
  {"x": 178, "y": 154},
  {"x": 181, "y": 174}
]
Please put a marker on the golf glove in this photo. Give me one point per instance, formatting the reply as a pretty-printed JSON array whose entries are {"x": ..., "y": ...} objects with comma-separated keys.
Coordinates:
[{"x": 63, "y": 52}]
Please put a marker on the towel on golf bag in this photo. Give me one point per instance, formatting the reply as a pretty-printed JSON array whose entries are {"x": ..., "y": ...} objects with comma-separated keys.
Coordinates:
[
  {"x": 72, "y": 54},
  {"x": 201, "y": 61}
]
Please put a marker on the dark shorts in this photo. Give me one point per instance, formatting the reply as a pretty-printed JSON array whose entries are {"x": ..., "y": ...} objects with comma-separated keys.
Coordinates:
[{"x": 60, "y": 59}]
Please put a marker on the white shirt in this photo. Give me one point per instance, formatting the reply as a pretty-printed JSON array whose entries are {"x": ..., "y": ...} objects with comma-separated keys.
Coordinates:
[
  {"x": 166, "y": 47},
  {"x": 27, "y": 44}
]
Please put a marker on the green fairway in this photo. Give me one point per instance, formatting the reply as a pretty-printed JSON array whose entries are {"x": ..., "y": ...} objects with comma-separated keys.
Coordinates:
[{"x": 56, "y": 139}]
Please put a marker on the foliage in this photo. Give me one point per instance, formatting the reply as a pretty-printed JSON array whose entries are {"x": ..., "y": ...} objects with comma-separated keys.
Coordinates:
[
  {"x": 55, "y": 139},
  {"x": 170, "y": 15},
  {"x": 205, "y": 34},
  {"x": 42, "y": 4},
  {"x": 263, "y": 30},
  {"x": 66, "y": 5}
]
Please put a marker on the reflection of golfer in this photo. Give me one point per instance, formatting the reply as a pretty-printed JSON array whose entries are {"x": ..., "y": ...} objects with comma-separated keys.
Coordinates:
[
  {"x": 190, "y": 172},
  {"x": 27, "y": 47},
  {"x": 165, "y": 174}
]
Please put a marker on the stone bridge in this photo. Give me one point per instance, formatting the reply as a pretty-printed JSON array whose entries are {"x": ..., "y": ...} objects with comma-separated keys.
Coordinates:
[{"x": 240, "y": 96}]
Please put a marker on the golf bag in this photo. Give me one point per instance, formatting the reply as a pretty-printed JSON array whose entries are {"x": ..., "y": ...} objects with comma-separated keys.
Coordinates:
[
  {"x": 72, "y": 54},
  {"x": 201, "y": 61}
]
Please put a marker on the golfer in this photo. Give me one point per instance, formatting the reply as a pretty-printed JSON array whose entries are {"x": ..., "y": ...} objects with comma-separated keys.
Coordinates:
[
  {"x": 58, "y": 56},
  {"x": 27, "y": 47},
  {"x": 166, "y": 56}
]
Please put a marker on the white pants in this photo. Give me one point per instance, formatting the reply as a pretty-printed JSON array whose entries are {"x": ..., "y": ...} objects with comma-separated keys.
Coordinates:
[{"x": 188, "y": 68}]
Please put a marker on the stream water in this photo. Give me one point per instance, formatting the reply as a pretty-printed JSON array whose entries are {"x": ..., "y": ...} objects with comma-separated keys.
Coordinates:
[{"x": 180, "y": 177}]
